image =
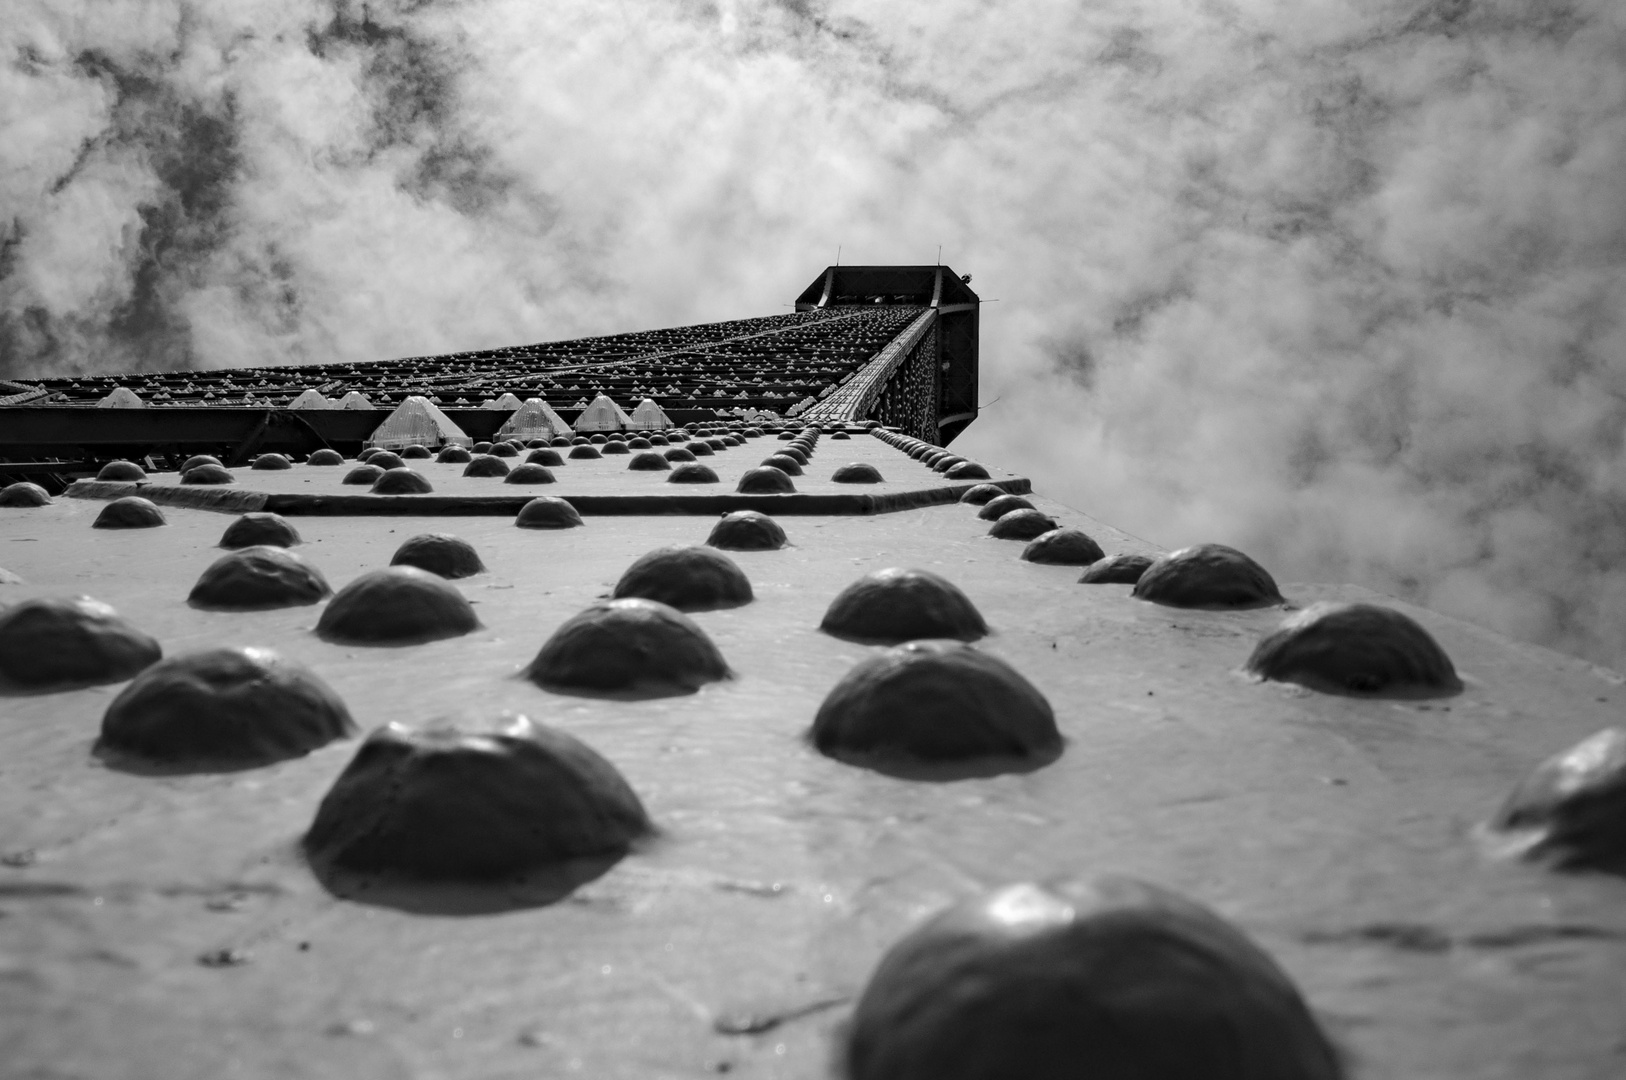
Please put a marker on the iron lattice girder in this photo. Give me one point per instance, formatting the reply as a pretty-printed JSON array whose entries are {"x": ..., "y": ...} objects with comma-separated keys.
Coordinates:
[
  {"x": 767, "y": 363},
  {"x": 814, "y": 358},
  {"x": 945, "y": 409},
  {"x": 855, "y": 398}
]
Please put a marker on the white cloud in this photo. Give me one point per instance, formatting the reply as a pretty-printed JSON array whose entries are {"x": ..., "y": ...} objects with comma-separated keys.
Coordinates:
[{"x": 1339, "y": 282}]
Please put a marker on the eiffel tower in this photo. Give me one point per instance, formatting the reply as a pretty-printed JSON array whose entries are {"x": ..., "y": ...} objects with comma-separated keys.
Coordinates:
[
  {"x": 892, "y": 344},
  {"x": 681, "y": 704}
]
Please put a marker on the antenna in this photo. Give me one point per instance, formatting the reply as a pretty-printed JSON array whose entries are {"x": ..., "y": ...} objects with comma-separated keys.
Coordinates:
[
  {"x": 939, "y": 254},
  {"x": 838, "y": 254}
]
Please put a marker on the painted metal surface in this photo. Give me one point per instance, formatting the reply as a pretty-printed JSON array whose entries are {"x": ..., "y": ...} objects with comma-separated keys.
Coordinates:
[{"x": 167, "y": 926}]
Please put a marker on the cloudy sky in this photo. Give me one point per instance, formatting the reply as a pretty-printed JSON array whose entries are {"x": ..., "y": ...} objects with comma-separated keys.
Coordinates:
[{"x": 1339, "y": 282}]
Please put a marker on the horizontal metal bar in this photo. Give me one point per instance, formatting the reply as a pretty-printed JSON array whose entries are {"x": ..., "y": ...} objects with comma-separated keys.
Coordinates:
[{"x": 240, "y": 500}]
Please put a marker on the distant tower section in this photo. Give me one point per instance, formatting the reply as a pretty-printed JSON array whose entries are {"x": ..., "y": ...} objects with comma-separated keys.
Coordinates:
[
  {"x": 925, "y": 380},
  {"x": 895, "y": 345}
]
